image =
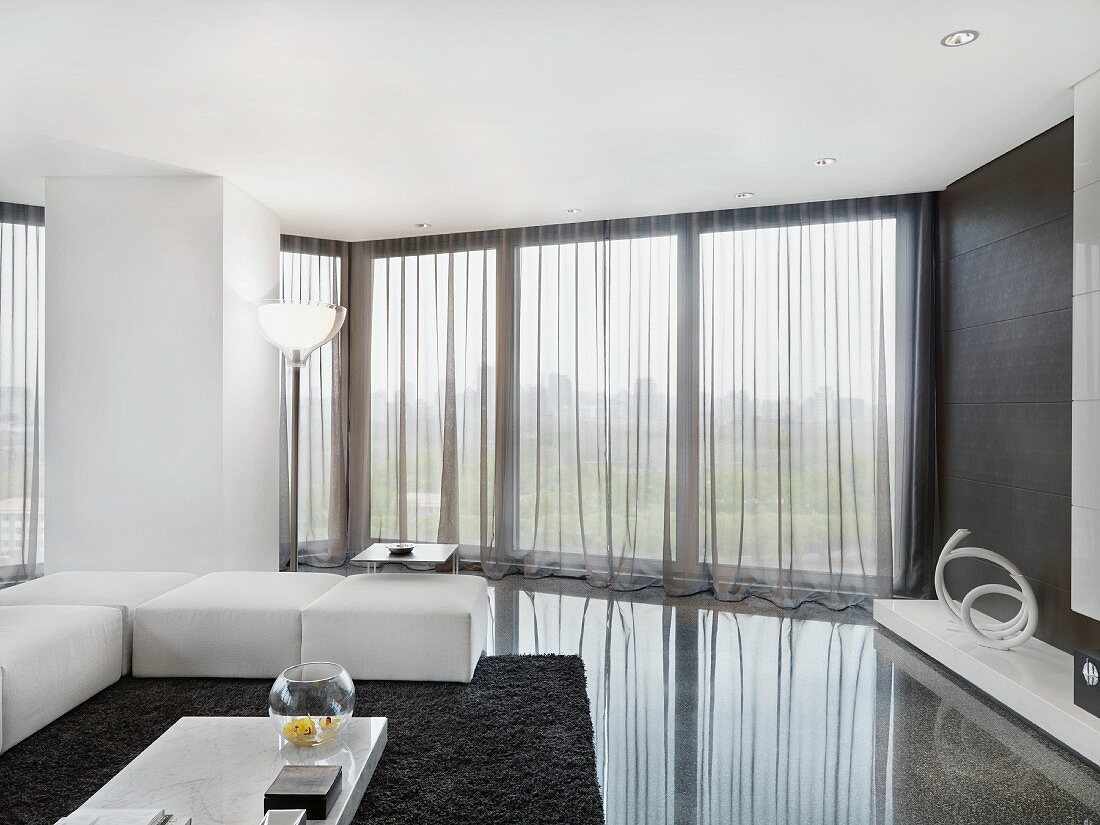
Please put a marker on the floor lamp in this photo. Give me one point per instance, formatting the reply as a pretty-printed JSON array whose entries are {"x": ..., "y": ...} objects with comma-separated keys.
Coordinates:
[{"x": 297, "y": 328}]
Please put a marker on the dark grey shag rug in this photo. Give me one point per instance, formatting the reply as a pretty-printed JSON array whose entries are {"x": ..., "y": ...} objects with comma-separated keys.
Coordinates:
[{"x": 515, "y": 745}]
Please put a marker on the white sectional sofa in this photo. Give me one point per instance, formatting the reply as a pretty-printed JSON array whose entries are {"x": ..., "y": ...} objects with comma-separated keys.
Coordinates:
[
  {"x": 395, "y": 627},
  {"x": 65, "y": 637},
  {"x": 123, "y": 591},
  {"x": 52, "y": 658},
  {"x": 245, "y": 625}
]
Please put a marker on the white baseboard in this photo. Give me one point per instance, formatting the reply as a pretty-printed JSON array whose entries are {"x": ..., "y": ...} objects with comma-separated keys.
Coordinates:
[{"x": 1035, "y": 680}]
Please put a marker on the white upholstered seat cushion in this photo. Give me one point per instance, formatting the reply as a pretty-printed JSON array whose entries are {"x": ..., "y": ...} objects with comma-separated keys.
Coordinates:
[
  {"x": 231, "y": 624},
  {"x": 52, "y": 658},
  {"x": 424, "y": 627},
  {"x": 122, "y": 590}
]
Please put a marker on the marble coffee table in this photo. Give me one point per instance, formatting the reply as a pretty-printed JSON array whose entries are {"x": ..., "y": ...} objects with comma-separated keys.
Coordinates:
[{"x": 216, "y": 769}]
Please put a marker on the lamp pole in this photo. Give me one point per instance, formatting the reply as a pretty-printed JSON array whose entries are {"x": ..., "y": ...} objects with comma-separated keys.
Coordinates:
[{"x": 292, "y": 424}]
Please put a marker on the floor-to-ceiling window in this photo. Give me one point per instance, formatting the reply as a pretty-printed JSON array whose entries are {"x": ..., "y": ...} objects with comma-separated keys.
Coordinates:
[
  {"x": 22, "y": 259},
  {"x": 797, "y": 327},
  {"x": 432, "y": 399},
  {"x": 596, "y": 427},
  {"x": 705, "y": 401}
]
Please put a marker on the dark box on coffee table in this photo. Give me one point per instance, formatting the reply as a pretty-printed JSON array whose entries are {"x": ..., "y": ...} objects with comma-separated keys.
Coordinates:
[{"x": 312, "y": 788}]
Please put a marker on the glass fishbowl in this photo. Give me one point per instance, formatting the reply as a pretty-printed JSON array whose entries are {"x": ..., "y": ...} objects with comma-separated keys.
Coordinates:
[{"x": 311, "y": 703}]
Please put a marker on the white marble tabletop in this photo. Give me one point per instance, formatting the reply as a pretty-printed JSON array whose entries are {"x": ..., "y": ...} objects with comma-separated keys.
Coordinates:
[
  {"x": 422, "y": 553},
  {"x": 216, "y": 769}
]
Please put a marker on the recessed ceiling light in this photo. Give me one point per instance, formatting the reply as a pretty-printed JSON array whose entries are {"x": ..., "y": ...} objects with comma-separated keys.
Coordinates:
[
  {"x": 960, "y": 38},
  {"x": 422, "y": 225},
  {"x": 824, "y": 161},
  {"x": 572, "y": 211},
  {"x": 744, "y": 195}
]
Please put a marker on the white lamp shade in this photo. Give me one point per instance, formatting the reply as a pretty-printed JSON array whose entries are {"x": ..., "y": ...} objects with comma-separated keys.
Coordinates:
[{"x": 298, "y": 328}]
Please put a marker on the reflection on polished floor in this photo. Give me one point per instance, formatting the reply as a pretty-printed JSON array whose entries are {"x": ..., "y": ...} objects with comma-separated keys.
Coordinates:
[{"x": 706, "y": 712}]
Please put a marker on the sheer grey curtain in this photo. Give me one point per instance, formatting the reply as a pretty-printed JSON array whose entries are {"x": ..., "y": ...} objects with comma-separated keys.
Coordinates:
[
  {"x": 316, "y": 270},
  {"x": 706, "y": 401},
  {"x": 917, "y": 493},
  {"x": 22, "y": 258},
  {"x": 798, "y": 338},
  {"x": 597, "y": 385},
  {"x": 423, "y": 329}
]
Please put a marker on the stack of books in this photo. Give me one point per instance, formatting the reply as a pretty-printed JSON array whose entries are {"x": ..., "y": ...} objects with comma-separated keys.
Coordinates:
[{"x": 284, "y": 818}]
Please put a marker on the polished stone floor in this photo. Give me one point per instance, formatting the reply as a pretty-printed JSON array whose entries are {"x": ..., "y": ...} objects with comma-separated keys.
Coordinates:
[{"x": 707, "y": 712}]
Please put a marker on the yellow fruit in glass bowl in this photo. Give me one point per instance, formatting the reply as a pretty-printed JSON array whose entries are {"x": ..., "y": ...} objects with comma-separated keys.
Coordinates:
[{"x": 300, "y": 731}]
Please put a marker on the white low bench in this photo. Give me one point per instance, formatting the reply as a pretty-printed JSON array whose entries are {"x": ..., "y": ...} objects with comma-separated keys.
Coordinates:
[
  {"x": 52, "y": 658},
  {"x": 231, "y": 624},
  {"x": 121, "y": 590},
  {"x": 426, "y": 627}
]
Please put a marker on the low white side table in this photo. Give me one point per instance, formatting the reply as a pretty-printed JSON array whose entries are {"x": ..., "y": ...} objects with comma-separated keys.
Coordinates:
[{"x": 436, "y": 554}]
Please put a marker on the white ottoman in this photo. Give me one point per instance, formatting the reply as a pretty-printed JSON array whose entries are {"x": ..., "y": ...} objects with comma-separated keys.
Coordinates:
[
  {"x": 52, "y": 658},
  {"x": 234, "y": 624},
  {"x": 427, "y": 628},
  {"x": 121, "y": 590}
]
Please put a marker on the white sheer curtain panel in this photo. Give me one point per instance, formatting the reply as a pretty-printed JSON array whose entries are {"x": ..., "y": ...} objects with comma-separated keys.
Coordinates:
[
  {"x": 797, "y": 404},
  {"x": 314, "y": 270},
  {"x": 430, "y": 408},
  {"x": 22, "y": 258},
  {"x": 596, "y": 349}
]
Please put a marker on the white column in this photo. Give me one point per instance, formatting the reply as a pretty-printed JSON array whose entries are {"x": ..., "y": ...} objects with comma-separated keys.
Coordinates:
[
  {"x": 1085, "y": 525},
  {"x": 161, "y": 424},
  {"x": 250, "y": 387}
]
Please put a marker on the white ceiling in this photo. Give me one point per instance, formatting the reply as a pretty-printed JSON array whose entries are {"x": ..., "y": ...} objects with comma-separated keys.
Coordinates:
[{"x": 356, "y": 119}]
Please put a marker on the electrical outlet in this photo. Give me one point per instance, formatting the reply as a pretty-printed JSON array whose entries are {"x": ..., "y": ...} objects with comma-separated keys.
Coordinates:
[{"x": 1086, "y": 680}]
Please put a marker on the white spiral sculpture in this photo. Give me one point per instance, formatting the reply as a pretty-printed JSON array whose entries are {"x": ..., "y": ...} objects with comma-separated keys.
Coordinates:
[{"x": 997, "y": 635}]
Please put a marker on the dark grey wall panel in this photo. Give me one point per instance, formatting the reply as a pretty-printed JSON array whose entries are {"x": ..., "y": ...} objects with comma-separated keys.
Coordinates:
[
  {"x": 1005, "y": 283},
  {"x": 1029, "y": 186},
  {"x": 1059, "y": 624},
  {"x": 1017, "y": 276},
  {"x": 1017, "y": 445},
  {"x": 964, "y": 575},
  {"x": 1029, "y": 527},
  {"x": 1021, "y": 360}
]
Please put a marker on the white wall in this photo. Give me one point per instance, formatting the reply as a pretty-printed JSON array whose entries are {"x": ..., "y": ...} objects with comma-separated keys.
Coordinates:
[
  {"x": 150, "y": 374},
  {"x": 250, "y": 386}
]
